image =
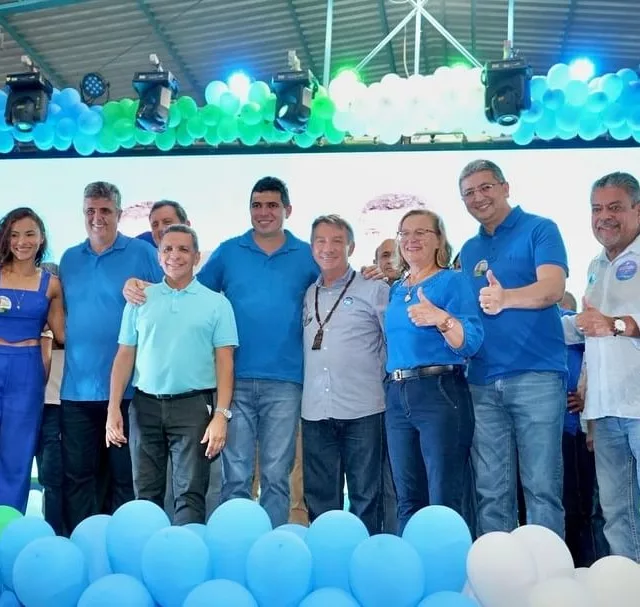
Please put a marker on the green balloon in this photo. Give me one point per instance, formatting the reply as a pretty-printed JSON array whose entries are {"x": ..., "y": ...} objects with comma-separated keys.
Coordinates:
[
  {"x": 112, "y": 112},
  {"x": 130, "y": 143},
  {"x": 165, "y": 141},
  {"x": 211, "y": 114},
  {"x": 249, "y": 134},
  {"x": 145, "y": 137},
  {"x": 188, "y": 107},
  {"x": 304, "y": 140},
  {"x": 268, "y": 133},
  {"x": 228, "y": 129},
  {"x": 259, "y": 92},
  {"x": 211, "y": 136},
  {"x": 316, "y": 126},
  {"x": 251, "y": 113},
  {"x": 129, "y": 107},
  {"x": 229, "y": 104},
  {"x": 269, "y": 108},
  {"x": 196, "y": 127},
  {"x": 175, "y": 116},
  {"x": 183, "y": 136},
  {"x": 108, "y": 141},
  {"x": 282, "y": 136},
  {"x": 323, "y": 107},
  {"x": 124, "y": 129},
  {"x": 8, "y": 514},
  {"x": 333, "y": 135}
]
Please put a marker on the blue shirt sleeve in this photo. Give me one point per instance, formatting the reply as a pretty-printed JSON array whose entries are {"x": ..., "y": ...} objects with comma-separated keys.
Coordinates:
[
  {"x": 225, "y": 332},
  {"x": 128, "y": 333},
  {"x": 549, "y": 247},
  {"x": 151, "y": 270},
  {"x": 463, "y": 306},
  {"x": 210, "y": 275}
]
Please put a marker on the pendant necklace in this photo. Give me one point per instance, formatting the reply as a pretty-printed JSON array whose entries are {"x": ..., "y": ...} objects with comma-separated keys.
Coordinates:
[
  {"x": 19, "y": 301},
  {"x": 411, "y": 288}
]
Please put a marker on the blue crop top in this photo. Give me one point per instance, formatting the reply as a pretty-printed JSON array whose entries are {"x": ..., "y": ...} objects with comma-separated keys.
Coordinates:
[{"x": 23, "y": 314}]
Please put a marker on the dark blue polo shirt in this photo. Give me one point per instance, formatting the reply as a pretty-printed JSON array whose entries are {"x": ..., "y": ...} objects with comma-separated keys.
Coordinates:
[
  {"x": 267, "y": 294},
  {"x": 516, "y": 341}
]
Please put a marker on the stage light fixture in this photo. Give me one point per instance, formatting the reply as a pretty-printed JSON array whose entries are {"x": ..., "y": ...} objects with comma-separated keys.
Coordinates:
[
  {"x": 28, "y": 99},
  {"x": 507, "y": 90},
  {"x": 156, "y": 90},
  {"x": 93, "y": 86},
  {"x": 294, "y": 91}
]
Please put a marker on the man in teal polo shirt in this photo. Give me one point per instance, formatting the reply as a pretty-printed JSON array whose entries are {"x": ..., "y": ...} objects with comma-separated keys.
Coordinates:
[
  {"x": 181, "y": 343},
  {"x": 517, "y": 265},
  {"x": 93, "y": 274}
]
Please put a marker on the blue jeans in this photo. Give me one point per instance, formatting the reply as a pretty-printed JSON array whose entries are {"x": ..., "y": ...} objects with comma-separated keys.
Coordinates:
[
  {"x": 337, "y": 448},
  {"x": 266, "y": 413},
  {"x": 616, "y": 442},
  {"x": 519, "y": 419},
  {"x": 429, "y": 429}
]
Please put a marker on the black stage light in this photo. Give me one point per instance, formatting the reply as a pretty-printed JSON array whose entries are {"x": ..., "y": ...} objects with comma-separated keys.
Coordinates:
[
  {"x": 294, "y": 92},
  {"x": 156, "y": 91},
  {"x": 92, "y": 87},
  {"x": 28, "y": 99},
  {"x": 507, "y": 90}
]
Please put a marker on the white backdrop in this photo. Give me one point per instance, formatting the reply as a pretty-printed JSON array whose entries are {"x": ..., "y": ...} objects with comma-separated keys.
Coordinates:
[{"x": 215, "y": 191}]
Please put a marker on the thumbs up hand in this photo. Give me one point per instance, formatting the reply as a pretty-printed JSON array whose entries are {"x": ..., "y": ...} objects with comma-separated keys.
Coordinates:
[
  {"x": 592, "y": 323},
  {"x": 492, "y": 296},
  {"x": 425, "y": 313}
]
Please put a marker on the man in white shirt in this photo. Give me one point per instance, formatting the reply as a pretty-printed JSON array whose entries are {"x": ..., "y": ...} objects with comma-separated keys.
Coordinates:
[{"x": 609, "y": 326}]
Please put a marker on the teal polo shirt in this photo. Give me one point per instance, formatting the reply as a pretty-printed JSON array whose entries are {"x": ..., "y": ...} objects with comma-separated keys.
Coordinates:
[
  {"x": 267, "y": 294},
  {"x": 516, "y": 341},
  {"x": 92, "y": 284},
  {"x": 176, "y": 333}
]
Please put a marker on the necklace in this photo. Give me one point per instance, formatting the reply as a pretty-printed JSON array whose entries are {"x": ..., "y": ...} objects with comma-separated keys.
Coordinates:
[
  {"x": 317, "y": 340},
  {"x": 411, "y": 288},
  {"x": 19, "y": 301}
]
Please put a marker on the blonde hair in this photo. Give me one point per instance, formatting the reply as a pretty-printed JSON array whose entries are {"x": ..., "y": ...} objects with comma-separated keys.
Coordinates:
[{"x": 444, "y": 250}]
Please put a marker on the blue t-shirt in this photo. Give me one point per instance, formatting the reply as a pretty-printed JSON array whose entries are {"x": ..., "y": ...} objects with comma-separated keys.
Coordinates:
[
  {"x": 575, "y": 354},
  {"x": 267, "y": 293},
  {"x": 176, "y": 333},
  {"x": 516, "y": 340},
  {"x": 92, "y": 284},
  {"x": 147, "y": 237},
  {"x": 409, "y": 346}
]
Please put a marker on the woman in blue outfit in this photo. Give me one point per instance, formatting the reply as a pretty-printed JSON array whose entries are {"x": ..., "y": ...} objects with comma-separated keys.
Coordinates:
[
  {"x": 432, "y": 327},
  {"x": 29, "y": 299}
]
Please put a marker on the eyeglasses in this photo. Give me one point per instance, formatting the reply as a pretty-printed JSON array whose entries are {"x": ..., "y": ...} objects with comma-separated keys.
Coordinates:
[
  {"x": 484, "y": 189},
  {"x": 417, "y": 234}
]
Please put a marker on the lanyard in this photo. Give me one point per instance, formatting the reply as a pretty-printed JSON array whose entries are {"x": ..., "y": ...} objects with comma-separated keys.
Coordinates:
[{"x": 317, "y": 340}]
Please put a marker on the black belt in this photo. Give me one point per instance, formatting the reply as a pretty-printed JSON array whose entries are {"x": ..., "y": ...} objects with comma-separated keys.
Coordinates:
[
  {"x": 189, "y": 394},
  {"x": 400, "y": 374}
]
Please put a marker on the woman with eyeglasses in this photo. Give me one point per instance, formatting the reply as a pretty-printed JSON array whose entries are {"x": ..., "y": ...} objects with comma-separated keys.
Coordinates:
[
  {"x": 30, "y": 298},
  {"x": 432, "y": 327}
]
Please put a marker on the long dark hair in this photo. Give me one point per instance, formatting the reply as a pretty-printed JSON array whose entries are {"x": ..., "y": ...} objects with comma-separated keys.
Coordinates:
[{"x": 6, "y": 225}]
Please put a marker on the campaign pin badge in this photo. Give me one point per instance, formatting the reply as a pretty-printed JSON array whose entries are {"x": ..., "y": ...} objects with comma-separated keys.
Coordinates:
[
  {"x": 5, "y": 304},
  {"x": 347, "y": 301},
  {"x": 626, "y": 270},
  {"x": 481, "y": 268}
]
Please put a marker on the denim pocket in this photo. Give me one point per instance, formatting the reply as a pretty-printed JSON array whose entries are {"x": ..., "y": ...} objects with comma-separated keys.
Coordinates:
[{"x": 448, "y": 389}]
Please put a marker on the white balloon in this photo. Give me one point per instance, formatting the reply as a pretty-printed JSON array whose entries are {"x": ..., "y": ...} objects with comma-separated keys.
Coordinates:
[
  {"x": 559, "y": 592},
  {"x": 614, "y": 581},
  {"x": 500, "y": 569},
  {"x": 580, "y": 574},
  {"x": 550, "y": 553}
]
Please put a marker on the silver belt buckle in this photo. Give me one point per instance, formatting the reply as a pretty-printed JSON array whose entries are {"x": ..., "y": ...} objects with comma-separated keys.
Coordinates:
[{"x": 396, "y": 375}]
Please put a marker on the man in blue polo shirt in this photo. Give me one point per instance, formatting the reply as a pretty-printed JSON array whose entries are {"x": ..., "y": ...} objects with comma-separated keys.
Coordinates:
[
  {"x": 517, "y": 265},
  {"x": 173, "y": 401},
  {"x": 93, "y": 274}
]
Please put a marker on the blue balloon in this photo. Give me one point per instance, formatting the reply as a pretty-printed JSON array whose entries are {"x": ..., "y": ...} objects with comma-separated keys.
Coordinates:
[
  {"x": 614, "y": 116},
  {"x": 576, "y": 92},
  {"x": 611, "y": 85},
  {"x": 447, "y": 599},
  {"x": 181, "y": 552},
  {"x": 386, "y": 570},
  {"x": 90, "y": 123},
  {"x": 198, "y": 528},
  {"x": 558, "y": 76},
  {"x": 4, "y": 126},
  {"x": 128, "y": 531},
  {"x": 62, "y": 145},
  {"x": 50, "y": 571},
  {"x": 219, "y": 593},
  {"x": 68, "y": 97},
  {"x": 300, "y": 530},
  {"x": 54, "y": 113},
  {"x": 97, "y": 109},
  {"x": 546, "y": 126},
  {"x": 85, "y": 145},
  {"x": 8, "y": 599},
  {"x": 534, "y": 113},
  {"x": 18, "y": 534},
  {"x": 538, "y": 87},
  {"x": 335, "y": 597},
  {"x": 279, "y": 567},
  {"x": 524, "y": 135},
  {"x": 621, "y": 132},
  {"x": 567, "y": 117},
  {"x": 91, "y": 537},
  {"x": 43, "y": 134},
  {"x": 116, "y": 589},
  {"x": 22, "y": 136},
  {"x": 634, "y": 119},
  {"x": 442, "y": 539},
  {"x": 553, "y": 99},
  {"x": 627, "y": 75},
  {"x": 590, "y": 127},
  {"x": 66, "y": 128},
  {"x": 3, "y": 100},
  {"x": 567, "y": 135},
  {"x": 332, "y": 538},
  {"x": 597, "y": 101},
  {"x": 232, "y": 529},
  {"x": 6, "y": 145}
]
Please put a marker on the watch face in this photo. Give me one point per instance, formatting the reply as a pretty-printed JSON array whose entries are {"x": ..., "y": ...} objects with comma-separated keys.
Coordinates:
[{"x": 619, "y": 325}]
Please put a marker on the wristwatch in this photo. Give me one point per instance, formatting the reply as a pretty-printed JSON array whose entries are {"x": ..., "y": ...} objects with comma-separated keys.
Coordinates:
[
  {"x": 225, "y": 411},
  {"x": 619, "y": 326},
  {"x": 446, "y": 325}
]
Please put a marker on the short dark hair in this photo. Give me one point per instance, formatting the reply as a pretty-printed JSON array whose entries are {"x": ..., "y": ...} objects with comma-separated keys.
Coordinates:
[
  {"x": 6, "y": 224},
  {"x": 477, "y": 166},
  {"x": 336, "y": 221},
  {"x": 624, "y": 181},
  {"x": 177, "y": 207},
  {"x": 182, "y": 229},
  {"x": 104, "y": 189},
  {"x": 272, "y": 184}
]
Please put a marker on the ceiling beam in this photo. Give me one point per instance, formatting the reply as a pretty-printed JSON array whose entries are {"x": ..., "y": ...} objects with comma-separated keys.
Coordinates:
[
  {"x": 54, "y": 77},
  {"x": 161, "y": 33},
  {"x": 301, "y": 37},
  {"x": 27, "y": 6},
  {"x": 384, "y": 25}
]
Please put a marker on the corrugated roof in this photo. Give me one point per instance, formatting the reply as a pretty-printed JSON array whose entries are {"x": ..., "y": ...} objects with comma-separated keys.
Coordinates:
[{"x": 202, "y": 40}]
